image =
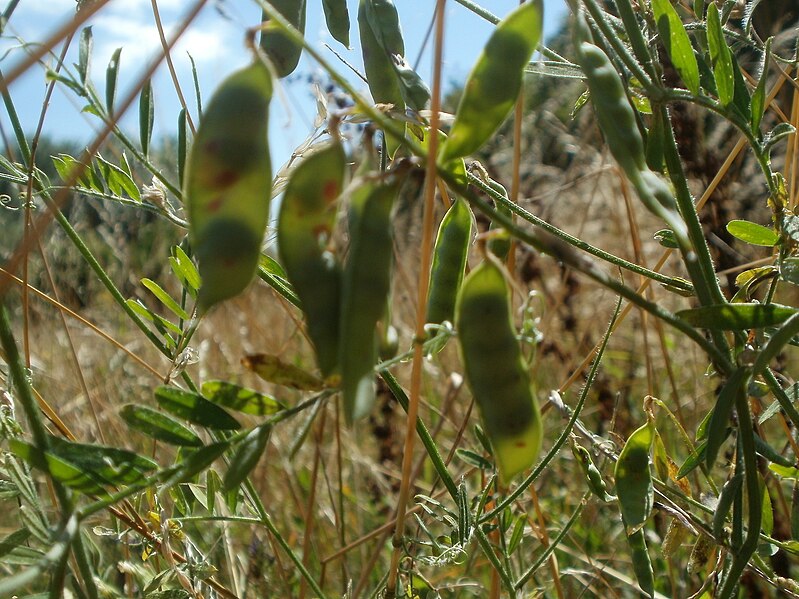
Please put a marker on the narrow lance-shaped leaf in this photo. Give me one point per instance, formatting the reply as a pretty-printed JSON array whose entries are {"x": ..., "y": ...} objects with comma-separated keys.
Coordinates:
[
  {"x": 111, "y": 81},
  {"x": 720, "y": 56},
  {"x": 241, "y": 399},
  {"x": 194, "y": 408},
  {"x": 495, "y": 81},
  {"x": 159, "y": 426},
  {"x": 146, "y": 116},
  {"x": 182, "y": 144},
  {"x": 85, "y": 55},
  {"x": 246, "y": 457},
  {"x": 759, "y": 95},
  {"x": 165, "y": 298},
  {"x": 677, "y": 42},
  {"x": 717, "y": 427}
]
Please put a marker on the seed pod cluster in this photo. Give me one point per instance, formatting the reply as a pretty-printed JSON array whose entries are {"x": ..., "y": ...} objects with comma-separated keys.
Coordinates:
[
  {"x": 495, "y": 369},
  {"x": 342, "y": 304},
  {"x": 228, "y": 184}
]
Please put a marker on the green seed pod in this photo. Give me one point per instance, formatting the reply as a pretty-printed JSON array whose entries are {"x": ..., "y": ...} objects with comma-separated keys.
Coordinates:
[
  {"x": 634, "y": 477},
  {"x": 337, "y": 18},
  {"x": 613, "y": 109},
  {"x": 495, "y": 369},
  {"x": 228, "y": 184},
  {"x": 495, "y": 81},
  {"x": 305, "y": 224},
  {"x": 501, "y": 244},
  {"x": 365, "y": 287},
  {"x": 384, "y": 83},
  {"x": 449, "y": 261},
  {"x": 283, "y": 52},
  {"x": 592, "y": 474}
]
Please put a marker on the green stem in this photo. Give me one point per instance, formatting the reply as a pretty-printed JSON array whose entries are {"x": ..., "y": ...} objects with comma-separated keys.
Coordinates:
[
  {"x": 485, "y": 545},
  {"x": 578, "y": 243},
  {"x": 553, "y": 545},
  {"x": 635, "y": 34},
  {"x": 754, "y": 499},
  {"x": 621, "y": 51}
]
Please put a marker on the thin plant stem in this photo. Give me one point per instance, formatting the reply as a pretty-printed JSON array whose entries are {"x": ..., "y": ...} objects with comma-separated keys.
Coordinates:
[{"x": 421, "y": 300}]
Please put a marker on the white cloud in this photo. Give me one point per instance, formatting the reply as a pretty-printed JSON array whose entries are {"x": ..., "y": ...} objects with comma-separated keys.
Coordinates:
[{"x": 140, "y": 41}]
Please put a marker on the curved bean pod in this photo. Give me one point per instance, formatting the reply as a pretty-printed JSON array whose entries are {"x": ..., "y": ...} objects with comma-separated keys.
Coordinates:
[
  {"x": 449, "y": 261},
  {"x": 228, "y": 181},
  {"x": 282, "y": 51},
  {"x": 365, "y": 287},
  {"x": 495, "y": 369},
  {"x": 337, "y": 18},
  {"x": 495, "y": 81},
  {"x": 305, "y": 225}
]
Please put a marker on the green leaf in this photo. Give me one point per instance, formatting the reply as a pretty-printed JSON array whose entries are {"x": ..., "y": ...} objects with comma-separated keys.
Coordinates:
[
  {"x": 781, "y": 131},
  {"x": 85, "y": 55},
  {"x": 146, "y": 116},
  {"x": 66, "y": 166},
  {"x": 241, "y": 399},
  {"x": 161, "y": 324},
  {"x": 737, "y": 317},
  {"x": 117, "y": 466},
  {"x": 118, "y": 181},
  {"x": 788, "y": 472},
  {"x": 14, "y": 540},
  {"x": 185, "y": 270},
  {"x": 693, "y": 460},
  {"x": 159, "y": 426},
  {"x": 246, "y": 457},
  {"x": 555, "y": 68},
  {"x": 720, "y": 56},
  {"x": 634, "y": 478},
  {"x": 729, "y": 492},
  {"x": 474, "y": 459},
  {"x": 753, "y": 233},
  {"x": 194, "y": 408},
  {"x": 273, "y": 275},
  {"x": 518, "y": 533},
  {"x": 165, "y": 298},
  {"x": 337, "y": 19},
  {"x": 61, "y": 470},
  {"x": 111, "y": 73},
  {"x": 759, "y": 95},
  {"x": 195, "y": 461},
  {"x": 677, "y": 42},
  {"x": 182, "y": 144},
  {"x": 665, "y": 237},
  {"x": 717, "y": 427}
]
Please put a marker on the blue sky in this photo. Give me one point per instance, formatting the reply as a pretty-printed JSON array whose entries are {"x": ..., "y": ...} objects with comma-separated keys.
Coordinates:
[{"x": 215, "y": 41}]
